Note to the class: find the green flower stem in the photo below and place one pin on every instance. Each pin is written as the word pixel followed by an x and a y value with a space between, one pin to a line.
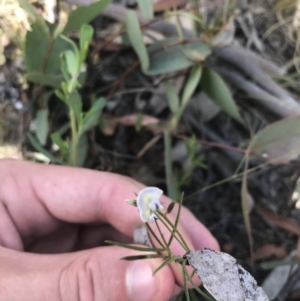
pixel 163 238
pixel 181 239
pixel 155 236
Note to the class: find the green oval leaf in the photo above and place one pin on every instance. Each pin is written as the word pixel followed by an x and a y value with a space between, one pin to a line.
pixel 136 39
pixel 172 55
pixel 279 141
pixel 84 15
pixel 146 8
pixel 214 86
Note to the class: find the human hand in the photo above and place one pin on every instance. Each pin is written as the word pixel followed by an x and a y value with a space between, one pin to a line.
pixel 61 216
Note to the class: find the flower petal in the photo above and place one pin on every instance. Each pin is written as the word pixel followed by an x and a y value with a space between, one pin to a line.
pixel 148 202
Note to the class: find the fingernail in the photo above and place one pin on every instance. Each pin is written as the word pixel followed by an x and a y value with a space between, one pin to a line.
pixel 141 285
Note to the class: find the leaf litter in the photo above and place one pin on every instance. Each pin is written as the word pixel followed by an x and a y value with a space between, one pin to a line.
pixel 223 278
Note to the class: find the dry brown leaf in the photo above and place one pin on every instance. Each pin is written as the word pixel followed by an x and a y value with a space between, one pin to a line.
pixel 131 120
pixel 269 250
pixel 128 120
pixel 279 221
pixel 223 278
pixel 109 126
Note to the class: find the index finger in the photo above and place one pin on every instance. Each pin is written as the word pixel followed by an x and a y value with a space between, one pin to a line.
pixel 37 195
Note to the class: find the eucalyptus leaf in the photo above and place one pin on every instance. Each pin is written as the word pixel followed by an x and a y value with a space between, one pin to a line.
pixel 269 265
pixel 146 7
pixel 214 87
pixel 191 84
pixel 136 39
pixel 279 141
pixel 84 14
pixel 173 55
pixel 172 97
pixel 42 125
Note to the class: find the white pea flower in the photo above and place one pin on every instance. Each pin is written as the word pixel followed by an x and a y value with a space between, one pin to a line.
pixel 148 202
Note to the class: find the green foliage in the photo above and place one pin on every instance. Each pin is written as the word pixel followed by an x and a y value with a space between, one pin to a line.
pixel 146 7
pixel 170 179
pixel 42 125
pixel 194 160
pixel 45 43
pixel 278 142
pixel 83 15
pixel 172 97
pixel 136 39
pixel 54 60
pixel 173 55
pixel 71 65
pixel 214 86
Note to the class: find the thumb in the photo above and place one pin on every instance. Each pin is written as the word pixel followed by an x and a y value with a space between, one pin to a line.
pixel 90 275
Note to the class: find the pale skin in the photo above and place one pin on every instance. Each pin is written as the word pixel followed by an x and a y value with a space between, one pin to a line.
pixel 53 222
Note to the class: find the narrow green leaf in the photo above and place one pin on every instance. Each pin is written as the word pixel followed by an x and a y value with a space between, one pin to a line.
pixel 165 263
pixel 51 80
pixel 72 62
pixel 155 236
pixel 42 125
pixel 172 97
pixel 214 86
pixel 92 116
pixel 146 7
pixel 276 263
pixel 86 35
pixel 84 15
pixel 170 179
pixel 171 207
pixel 29 9
pixel 245 209
pixel 63 147
pixel 136 39
pixel 191 84
pixel 139 257
pixel 144 249
pixel 61 95
pixel 278 142
pixel 173 55
pixel 139 121
pixel 35 143
pixel 82 150
pixel 75 103
pixel 185 286
pixel 177 220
